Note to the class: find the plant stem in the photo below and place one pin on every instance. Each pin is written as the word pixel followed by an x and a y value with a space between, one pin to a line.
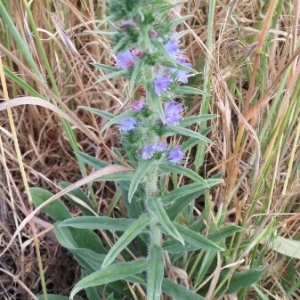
pixel 151 189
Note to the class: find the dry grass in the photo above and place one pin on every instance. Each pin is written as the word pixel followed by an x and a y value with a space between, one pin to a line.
pixel 255 175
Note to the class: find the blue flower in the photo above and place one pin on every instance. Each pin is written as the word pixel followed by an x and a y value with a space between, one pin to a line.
pixel 126 60
pixel 148 151
pixel 161 84
pixel 161 146
pixel 172 47
pixel 175 155
pixel 172 113
pixel 128 124
pixel 181 74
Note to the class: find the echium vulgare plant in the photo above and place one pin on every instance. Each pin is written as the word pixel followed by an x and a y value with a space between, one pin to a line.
pixel 158 249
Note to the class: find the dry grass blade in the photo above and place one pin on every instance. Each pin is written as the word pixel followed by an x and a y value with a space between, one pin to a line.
pixel 40 102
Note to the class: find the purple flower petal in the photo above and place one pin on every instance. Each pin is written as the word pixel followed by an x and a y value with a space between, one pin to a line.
pixel 181 74
pixel 161 146
pixel 125 60
pixel 175 155
pixel 148 151
pixel 138 105
pixel 128 124
pixel 161 84
pixel 172 47
pixel 173 113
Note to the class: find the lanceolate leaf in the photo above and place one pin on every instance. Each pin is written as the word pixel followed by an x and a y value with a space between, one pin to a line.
pixel 74 238
pixel 172 168
pixel 190 90
pixel 56 209
pixel 164 52
pixel 224 232
pixel 126 238
pixel 191 142
pixel 155 102
pixel 196 239
pixel 98 112
pixel 188 132
pixel 109 274
pixel 90 160
pixel 162 217
pixel 189 189
pixel 196 119
pixel 180 20
pixel 109 76
pixel 155 272
pixel 178 292
pixel 106 68
pixel 174 246
pixel 241 280
pixel 118 118
pixel 137 177
pixel 105 223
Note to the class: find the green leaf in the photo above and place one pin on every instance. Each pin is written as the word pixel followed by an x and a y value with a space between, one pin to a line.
pixel 135 229
pixel 21 45
pixel 155 206
pixel 56 209
pixel 21 83
pixel 191 142
pixel 104 67
pixel 110 76
pixel 164 52
pixel 74 238
pixel 224 232
pixel 196 119
pixel 90 160
pixel 78 193
pixel 180 34
pixel 137 177
pixel 155 272
pixel 240 280
pixel 174 246
pixel 117 119
pixel 134 209
pixel 102 113
pixel 178 292
pixel 109 274
pixel 168 6
pixel 88 259
pixel 196 239
pixel 190 90
pixel 155 102
pixel 188 189
pixel 172 168
pixel 180 20
pixel 188 132
pixel 104 223
pixel 177 66
pixel 91 292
